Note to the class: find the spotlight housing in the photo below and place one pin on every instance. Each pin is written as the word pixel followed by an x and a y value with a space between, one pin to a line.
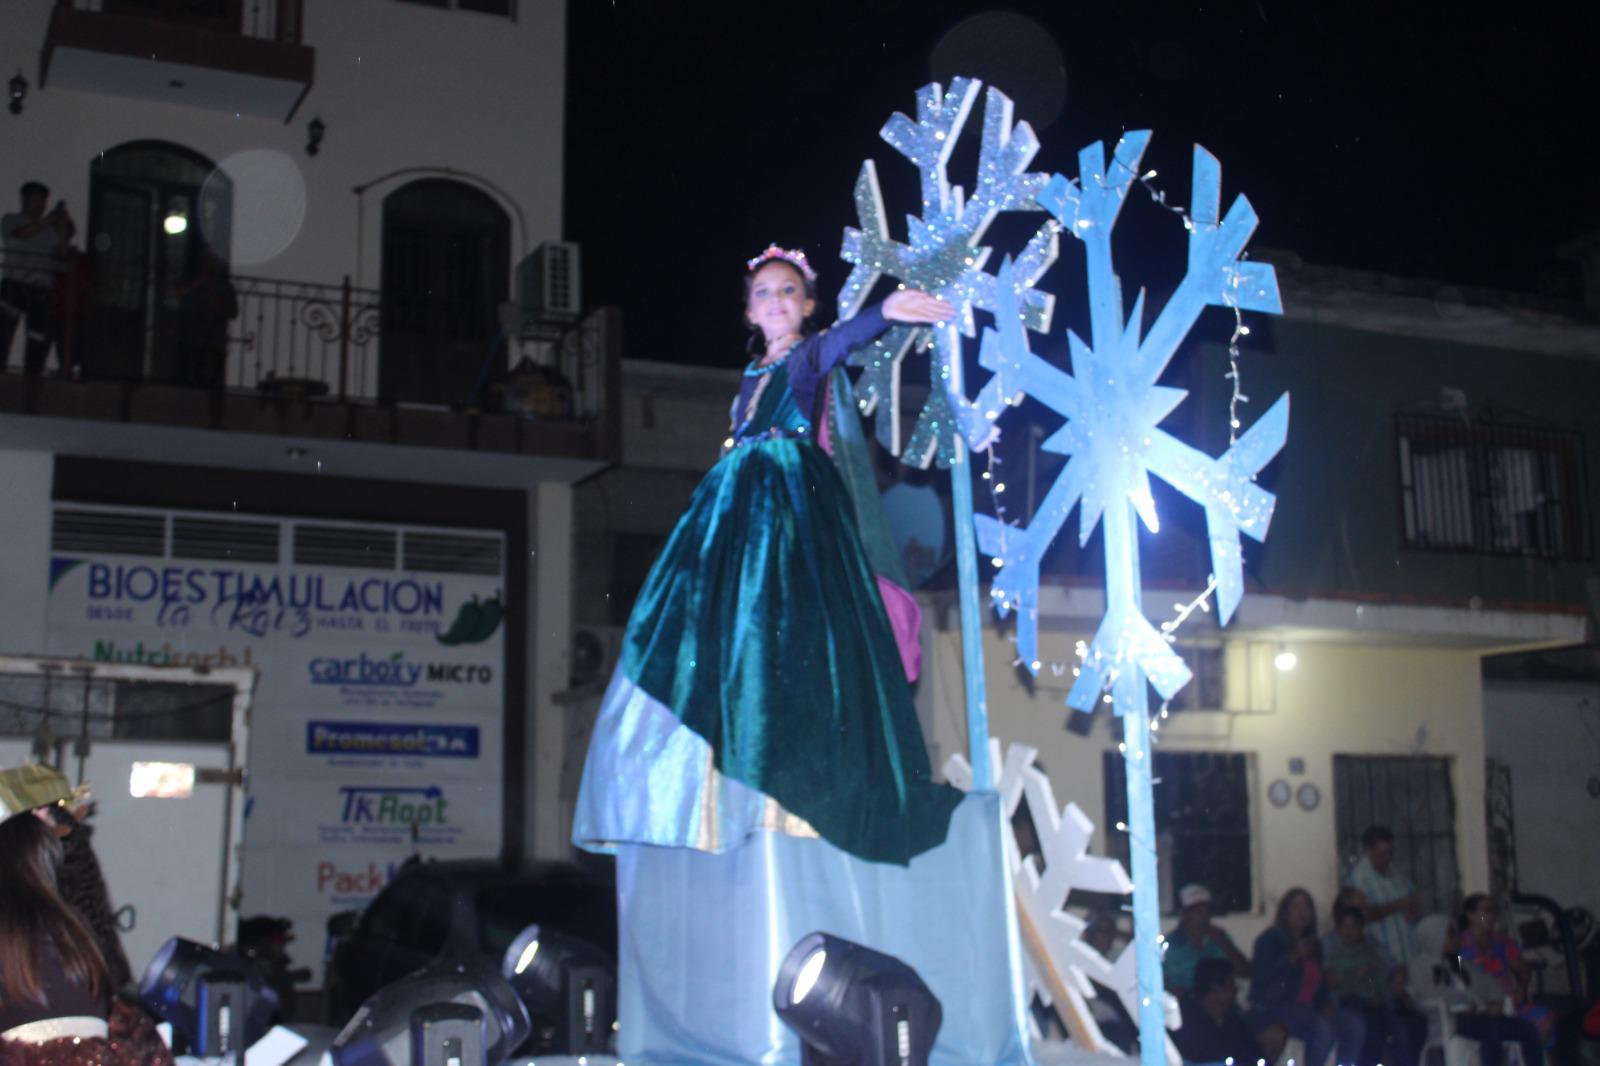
pixel 851 1005
pixel 381 1032
pixel 217 1003
pixel 569 987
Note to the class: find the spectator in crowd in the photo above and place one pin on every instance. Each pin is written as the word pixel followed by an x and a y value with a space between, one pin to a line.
pixel 1391 901
pixel 49 965
pixel 1484 947
pixel 82 887
pixel 1475 1002
pixel 35 242
pixel 1102 932
pixel 1213 1029
pixel 56 1002
pixel 1288 987
pixel 1365 980
pixel 1195 938
pixel 206 305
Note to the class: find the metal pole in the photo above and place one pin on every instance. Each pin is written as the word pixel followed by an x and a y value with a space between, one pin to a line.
pixel 948 340
pixel 1130 694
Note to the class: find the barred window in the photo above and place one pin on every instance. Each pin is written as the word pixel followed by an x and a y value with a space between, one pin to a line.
pixel 1202 809
pixel 1490 489
pixel 1412 797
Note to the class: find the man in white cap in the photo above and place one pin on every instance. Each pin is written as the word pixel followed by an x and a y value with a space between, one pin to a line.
pixel 1196 938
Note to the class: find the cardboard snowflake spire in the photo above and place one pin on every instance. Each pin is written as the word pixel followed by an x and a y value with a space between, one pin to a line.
pixel 942 255
pixel 1112 437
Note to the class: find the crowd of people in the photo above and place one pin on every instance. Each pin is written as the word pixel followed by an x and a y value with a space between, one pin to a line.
pixel 1381 983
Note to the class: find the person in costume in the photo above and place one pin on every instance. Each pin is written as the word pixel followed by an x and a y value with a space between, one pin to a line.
pixel 56 1003
pixel 761 683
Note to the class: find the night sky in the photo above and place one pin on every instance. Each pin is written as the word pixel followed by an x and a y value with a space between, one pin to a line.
pixel 1429 143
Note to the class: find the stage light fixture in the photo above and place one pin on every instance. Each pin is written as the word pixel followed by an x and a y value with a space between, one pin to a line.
pixel 218 1004
pixel 569 987
pixel 409 1018
pixel 316 129
pixel 851 1005
pixel 18 87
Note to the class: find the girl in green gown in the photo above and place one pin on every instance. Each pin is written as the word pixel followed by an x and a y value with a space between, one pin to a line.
pixel 760 684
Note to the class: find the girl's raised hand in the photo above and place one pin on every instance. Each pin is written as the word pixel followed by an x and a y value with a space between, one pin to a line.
pixel 913 305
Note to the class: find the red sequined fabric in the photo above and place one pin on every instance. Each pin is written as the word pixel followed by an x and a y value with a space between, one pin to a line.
pixel 133 1041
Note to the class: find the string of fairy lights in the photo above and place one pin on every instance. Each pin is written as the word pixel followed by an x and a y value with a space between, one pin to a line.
pixel 1201 603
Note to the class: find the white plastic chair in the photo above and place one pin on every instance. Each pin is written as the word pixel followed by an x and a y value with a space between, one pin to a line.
pixel 1463 1050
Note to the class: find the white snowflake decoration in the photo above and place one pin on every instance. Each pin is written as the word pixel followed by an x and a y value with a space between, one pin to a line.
pixel 1064 834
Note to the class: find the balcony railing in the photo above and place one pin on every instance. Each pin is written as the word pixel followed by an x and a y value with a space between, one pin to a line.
pixel 310 343
pixel 265 20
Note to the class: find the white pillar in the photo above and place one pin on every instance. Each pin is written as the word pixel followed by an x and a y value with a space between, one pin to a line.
pixel 547 812
pixel 25 481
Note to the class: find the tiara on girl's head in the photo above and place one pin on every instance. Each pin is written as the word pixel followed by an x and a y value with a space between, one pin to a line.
pixel 796 258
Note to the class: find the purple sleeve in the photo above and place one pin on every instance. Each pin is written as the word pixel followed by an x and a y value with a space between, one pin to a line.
pixel 810 364
pixel 842 338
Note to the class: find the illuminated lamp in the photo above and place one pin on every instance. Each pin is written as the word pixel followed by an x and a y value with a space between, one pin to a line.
pixel 569 987
pixel 850 1004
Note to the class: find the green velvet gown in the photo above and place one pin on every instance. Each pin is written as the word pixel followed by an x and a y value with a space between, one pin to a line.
pixel 760 685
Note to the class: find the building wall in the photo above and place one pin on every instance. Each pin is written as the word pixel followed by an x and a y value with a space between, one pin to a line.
pixel 1549 734
pixel 25 479
pixel 1341 699
pixel 398 85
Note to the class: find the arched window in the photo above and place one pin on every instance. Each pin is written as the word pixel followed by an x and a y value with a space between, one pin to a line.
pixel 446 271
pixel 155 210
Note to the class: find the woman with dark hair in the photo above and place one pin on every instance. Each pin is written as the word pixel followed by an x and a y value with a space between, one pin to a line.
pixel 1288 986
pixel 56 1003
pixel 50 969
pixel 761 684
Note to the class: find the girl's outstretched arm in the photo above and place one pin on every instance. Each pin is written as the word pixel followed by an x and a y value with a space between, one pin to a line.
pixel 907 305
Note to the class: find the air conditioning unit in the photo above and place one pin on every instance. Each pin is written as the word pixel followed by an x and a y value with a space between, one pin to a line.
pixel 595 652
pixel 548 283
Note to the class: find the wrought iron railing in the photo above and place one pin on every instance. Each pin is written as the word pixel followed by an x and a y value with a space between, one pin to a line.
pixel 325 336
pixel 308 339
pixel 269 20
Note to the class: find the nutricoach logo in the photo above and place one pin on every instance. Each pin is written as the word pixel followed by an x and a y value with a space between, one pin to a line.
pixel 394 671
pixel 164 654
pixel 393 806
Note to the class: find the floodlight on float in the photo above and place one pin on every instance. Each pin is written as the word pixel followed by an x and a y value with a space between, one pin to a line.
pixel 401 1021
pixel 218 1004
pixel 850 1004
pixel 569 987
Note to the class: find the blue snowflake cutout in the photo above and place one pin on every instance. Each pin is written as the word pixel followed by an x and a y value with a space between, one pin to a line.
pixel 943 255
pixel 1113 408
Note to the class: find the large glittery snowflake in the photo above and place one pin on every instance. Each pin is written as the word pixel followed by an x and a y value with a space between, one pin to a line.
pixel 1113 408
pixel 943 255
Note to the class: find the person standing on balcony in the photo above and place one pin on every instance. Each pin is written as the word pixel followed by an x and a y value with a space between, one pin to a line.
pixel 207 304
pixel 35 241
